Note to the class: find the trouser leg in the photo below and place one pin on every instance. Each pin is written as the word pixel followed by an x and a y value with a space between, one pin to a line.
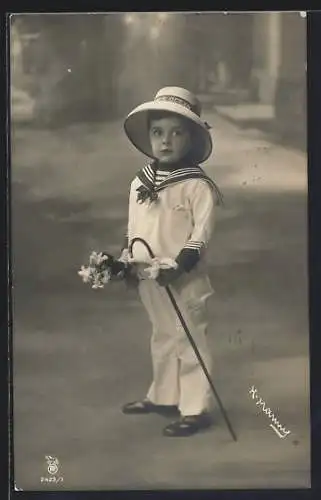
pixel 164 389
pixel 195 390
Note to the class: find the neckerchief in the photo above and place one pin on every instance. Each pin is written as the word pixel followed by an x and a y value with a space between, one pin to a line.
pixel 148 190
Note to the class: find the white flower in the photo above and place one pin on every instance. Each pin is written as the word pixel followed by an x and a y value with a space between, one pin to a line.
pixel 85 273
pixel 101 258
pixel 94 258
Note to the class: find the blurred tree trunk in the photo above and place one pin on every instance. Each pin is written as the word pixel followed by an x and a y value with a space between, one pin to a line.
pixel 111 63
pixel 79 58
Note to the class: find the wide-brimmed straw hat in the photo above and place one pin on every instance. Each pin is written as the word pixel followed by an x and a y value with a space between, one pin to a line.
pixel 175 100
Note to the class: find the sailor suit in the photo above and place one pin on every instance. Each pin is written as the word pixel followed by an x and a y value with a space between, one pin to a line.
pixel 174 212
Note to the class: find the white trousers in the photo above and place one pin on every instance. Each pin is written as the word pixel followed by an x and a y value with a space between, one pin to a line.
pixel 178 378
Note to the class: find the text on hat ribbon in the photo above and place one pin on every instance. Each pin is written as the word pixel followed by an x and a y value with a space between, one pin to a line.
pixel 177 100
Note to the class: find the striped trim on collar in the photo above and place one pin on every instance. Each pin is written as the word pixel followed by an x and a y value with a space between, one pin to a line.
pixel 147 176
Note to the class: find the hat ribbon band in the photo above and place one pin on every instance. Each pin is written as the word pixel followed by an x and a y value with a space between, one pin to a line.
pixel 177 100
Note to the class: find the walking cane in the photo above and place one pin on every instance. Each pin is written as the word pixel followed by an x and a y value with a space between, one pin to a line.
pixel 189 336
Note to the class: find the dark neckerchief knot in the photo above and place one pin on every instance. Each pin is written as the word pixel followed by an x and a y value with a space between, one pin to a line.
pixel 145 194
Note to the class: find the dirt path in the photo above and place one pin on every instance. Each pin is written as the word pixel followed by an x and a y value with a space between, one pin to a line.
pixel 80 354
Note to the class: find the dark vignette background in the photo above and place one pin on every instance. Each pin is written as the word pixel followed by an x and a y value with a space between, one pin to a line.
pixel 314 107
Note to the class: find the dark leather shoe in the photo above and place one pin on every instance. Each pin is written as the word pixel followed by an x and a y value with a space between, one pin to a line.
pixel 188 425
pixel 145 406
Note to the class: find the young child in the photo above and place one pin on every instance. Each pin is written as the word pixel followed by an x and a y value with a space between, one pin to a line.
pixel 172 207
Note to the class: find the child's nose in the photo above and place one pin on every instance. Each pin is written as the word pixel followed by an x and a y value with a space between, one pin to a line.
pixel 166 138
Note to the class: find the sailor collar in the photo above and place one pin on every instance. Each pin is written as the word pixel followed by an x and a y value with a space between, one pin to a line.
pixel 148 173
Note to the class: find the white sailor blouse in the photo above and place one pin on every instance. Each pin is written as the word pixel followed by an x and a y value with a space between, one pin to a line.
pixel 175 216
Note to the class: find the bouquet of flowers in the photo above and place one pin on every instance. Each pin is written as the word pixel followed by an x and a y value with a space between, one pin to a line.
pixel 102 268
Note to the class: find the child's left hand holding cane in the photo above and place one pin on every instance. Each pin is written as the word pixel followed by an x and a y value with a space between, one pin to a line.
pixel 170 271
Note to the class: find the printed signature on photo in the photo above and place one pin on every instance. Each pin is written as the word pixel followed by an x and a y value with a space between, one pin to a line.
pixel 281 431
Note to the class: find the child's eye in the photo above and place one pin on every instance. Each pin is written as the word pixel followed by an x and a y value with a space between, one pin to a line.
pixel 177 132
pixel 157 132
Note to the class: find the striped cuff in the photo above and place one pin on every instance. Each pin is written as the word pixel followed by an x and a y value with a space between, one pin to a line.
pixel 195 245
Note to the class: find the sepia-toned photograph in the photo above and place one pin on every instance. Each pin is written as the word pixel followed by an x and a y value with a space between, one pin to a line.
pixel 159 251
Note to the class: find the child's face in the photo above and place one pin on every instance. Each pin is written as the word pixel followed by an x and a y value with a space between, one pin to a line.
pixel 170 138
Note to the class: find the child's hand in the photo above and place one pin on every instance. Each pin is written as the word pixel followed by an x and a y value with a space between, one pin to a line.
pixel 168 276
